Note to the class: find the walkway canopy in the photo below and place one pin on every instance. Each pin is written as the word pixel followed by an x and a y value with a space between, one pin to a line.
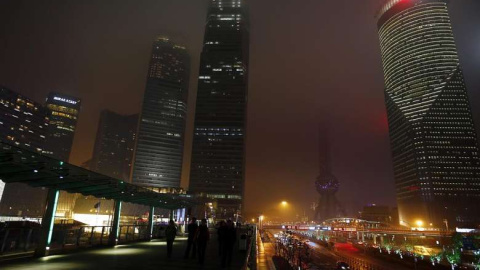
pixel 18 165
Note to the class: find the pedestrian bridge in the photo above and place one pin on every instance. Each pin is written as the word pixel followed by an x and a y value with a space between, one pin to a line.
pixel 141 255
pixel 18 165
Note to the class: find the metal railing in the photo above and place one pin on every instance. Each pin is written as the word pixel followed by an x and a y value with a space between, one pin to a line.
pixel 251 258
pixel 25 240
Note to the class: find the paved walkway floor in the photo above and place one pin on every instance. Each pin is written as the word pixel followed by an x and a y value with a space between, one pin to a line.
pixel 265 252
pixel 143 255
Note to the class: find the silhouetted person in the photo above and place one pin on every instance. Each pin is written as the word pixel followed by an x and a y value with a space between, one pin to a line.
pixel 170 233
pixel 192 231
pixel 222 226
pixel 202 237
pixel 228 242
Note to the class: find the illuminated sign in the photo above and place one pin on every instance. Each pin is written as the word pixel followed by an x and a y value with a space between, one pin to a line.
pixel 66 100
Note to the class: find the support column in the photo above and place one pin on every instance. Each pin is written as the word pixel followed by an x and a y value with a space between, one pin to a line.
pixel 363 236
pixel 113 237
pixel 172 215
pixel 48 221
pixel 358 236
pixel 150 223
pixel 375 239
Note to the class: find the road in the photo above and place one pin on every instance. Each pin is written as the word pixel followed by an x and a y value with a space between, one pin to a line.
pixel 326 259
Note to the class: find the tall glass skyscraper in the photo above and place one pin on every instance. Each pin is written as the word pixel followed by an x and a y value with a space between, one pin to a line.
pixel 218 154
pixel 433 139
pixel 159 149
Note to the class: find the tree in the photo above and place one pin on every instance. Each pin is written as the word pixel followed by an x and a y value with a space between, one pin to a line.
pixel 453 257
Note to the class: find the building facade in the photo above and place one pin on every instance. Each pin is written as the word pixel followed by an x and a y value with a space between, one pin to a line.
pixel 62 112
pixel 23 123
pixel 114 145
pixel 433 139
pixel 159 148
pixel 218 150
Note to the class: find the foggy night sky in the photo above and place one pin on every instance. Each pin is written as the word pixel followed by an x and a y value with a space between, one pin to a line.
pixel 308 58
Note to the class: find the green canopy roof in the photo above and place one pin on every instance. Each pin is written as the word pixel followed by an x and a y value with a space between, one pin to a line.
pixel 19 165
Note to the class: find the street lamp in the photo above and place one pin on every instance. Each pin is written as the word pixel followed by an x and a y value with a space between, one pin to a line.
pixel 260 221
pixel 419 223
pixel 284 203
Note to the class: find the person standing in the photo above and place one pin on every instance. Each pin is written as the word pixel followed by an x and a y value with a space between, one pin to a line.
pixel 191 243
pixel 202 237
pixel 229 239
pixel 170 234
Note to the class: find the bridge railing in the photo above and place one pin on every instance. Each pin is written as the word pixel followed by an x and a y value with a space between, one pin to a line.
pixel 24 241
pixel 251 259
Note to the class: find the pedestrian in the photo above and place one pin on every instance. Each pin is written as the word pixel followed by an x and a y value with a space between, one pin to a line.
pixel 202 237
pixel 170 233
pixel 229 240
pixel 222 226
pixel 191 243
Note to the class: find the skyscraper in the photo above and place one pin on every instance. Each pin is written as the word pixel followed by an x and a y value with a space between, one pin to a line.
pixel 62 112
pixel 218 151
pixel 113 150
pixel 159 149
pixel 23 123
pixel 433 139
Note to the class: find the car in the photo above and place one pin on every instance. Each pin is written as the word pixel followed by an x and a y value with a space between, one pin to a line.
pixel 342 266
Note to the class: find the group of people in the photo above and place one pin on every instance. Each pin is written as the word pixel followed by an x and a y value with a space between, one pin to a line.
pixel 198 237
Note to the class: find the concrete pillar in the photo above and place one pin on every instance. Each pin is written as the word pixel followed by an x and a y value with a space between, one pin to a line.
pixel 381 240
pixel 113 237
pixel 150 223
pixel 374 239
pixel 358 236
pixel 363 236
pixel 48 221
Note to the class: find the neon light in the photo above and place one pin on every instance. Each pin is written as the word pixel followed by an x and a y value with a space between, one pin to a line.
pixel 52 222
pixel 65 100
pixel 117 214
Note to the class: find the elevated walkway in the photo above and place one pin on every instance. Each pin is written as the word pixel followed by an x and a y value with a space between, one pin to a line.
pixel 144 255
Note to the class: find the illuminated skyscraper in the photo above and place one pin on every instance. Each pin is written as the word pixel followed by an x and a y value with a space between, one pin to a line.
pixel 23 123
pixel 218 154
pixel 159 149
pixel 62 112
pixel 113 151
pixel 433 139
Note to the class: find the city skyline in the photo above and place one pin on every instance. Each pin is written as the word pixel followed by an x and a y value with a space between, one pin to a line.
pixel 375 120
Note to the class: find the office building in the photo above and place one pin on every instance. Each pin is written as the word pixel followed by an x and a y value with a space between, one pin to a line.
pixel 62 112
pixel 159 149
pixel 218 150
pixel 114 145
pixel 433 139
pixel 23 123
